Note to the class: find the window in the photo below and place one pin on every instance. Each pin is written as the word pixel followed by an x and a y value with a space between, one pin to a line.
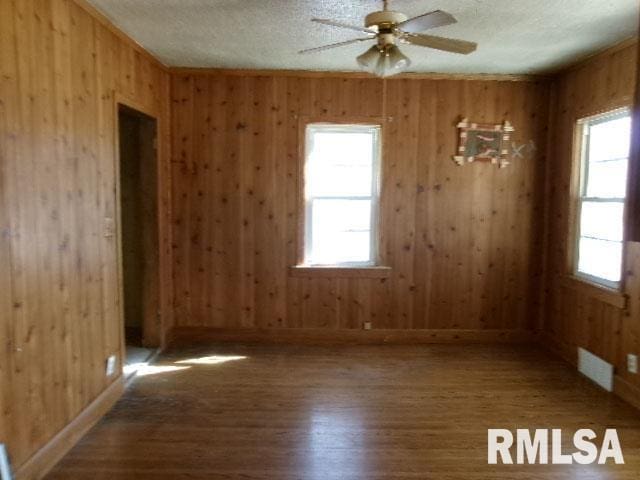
pixel 342 167
pixel 604 156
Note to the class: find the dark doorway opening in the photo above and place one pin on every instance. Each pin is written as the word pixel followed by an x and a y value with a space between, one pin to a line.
pixel 139 233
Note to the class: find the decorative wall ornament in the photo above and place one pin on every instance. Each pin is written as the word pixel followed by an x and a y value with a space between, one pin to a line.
pixel 519 151
pixel 484 142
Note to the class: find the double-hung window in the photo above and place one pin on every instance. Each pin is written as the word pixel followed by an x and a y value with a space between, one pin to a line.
pixel 342 165
pixel 604 155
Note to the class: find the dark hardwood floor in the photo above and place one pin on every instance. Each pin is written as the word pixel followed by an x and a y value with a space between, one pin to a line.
pixel 350 412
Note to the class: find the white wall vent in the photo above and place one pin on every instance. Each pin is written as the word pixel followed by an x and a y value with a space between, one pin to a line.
pixel 596 369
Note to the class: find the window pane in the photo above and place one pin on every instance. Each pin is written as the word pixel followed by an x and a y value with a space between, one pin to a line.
pixel 344 247
pixel 340 164
pixel 600 258
pixel 609 140
pixel 341 215
pixel 338 180
pixel 355 147
pixel 340 231
pixel 607 179
pixel 602 220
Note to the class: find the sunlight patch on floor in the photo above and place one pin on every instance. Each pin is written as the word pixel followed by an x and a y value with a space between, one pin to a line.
pixel 212 360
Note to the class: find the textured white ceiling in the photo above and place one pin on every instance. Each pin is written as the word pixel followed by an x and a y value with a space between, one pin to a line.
pixel 514 36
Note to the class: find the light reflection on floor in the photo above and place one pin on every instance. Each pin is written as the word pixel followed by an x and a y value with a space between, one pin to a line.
pixel 336 444
pixel 212 360
pixel 143 368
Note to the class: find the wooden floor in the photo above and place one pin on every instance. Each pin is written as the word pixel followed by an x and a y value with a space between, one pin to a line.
pixel 351 412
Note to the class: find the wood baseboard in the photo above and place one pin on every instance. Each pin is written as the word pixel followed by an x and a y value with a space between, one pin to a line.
pixel 45 459
pixel 627 391
pixel 560 350
pixel 199 335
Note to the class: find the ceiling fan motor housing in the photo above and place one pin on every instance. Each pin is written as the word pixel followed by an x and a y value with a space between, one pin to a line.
pixel 384 20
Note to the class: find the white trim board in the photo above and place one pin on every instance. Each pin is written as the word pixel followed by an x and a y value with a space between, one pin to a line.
pixel 5 466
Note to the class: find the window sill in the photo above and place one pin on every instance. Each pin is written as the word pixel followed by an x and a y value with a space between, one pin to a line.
pixel 330 271
pixel 603 293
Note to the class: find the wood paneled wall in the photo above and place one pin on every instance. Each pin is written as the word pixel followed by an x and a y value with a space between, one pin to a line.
pixel 575 315
pixel 463 242
pixel 59 304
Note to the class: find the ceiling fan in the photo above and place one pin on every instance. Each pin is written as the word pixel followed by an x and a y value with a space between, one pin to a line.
pixel 388 27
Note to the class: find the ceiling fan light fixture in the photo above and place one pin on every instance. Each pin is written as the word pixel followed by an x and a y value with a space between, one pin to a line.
pixel 382 68
pixel 383 61
pixel 368 61
pixel 398 61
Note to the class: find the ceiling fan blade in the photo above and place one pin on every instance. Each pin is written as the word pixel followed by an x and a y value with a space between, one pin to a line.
pixel 334 23
pixel 334 45
pixel 442 43
pixel 427 21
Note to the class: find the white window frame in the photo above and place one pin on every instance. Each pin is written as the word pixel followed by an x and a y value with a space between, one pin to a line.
pixel 583 125
pixel 374 128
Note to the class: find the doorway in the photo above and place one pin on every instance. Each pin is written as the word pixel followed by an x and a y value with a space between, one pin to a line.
pixel 138 234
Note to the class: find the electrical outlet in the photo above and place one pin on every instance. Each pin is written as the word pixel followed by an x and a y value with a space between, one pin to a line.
pixel 632 363
pixel 5 466
pixel 109 227
pixel 111 365
pixel 367 325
